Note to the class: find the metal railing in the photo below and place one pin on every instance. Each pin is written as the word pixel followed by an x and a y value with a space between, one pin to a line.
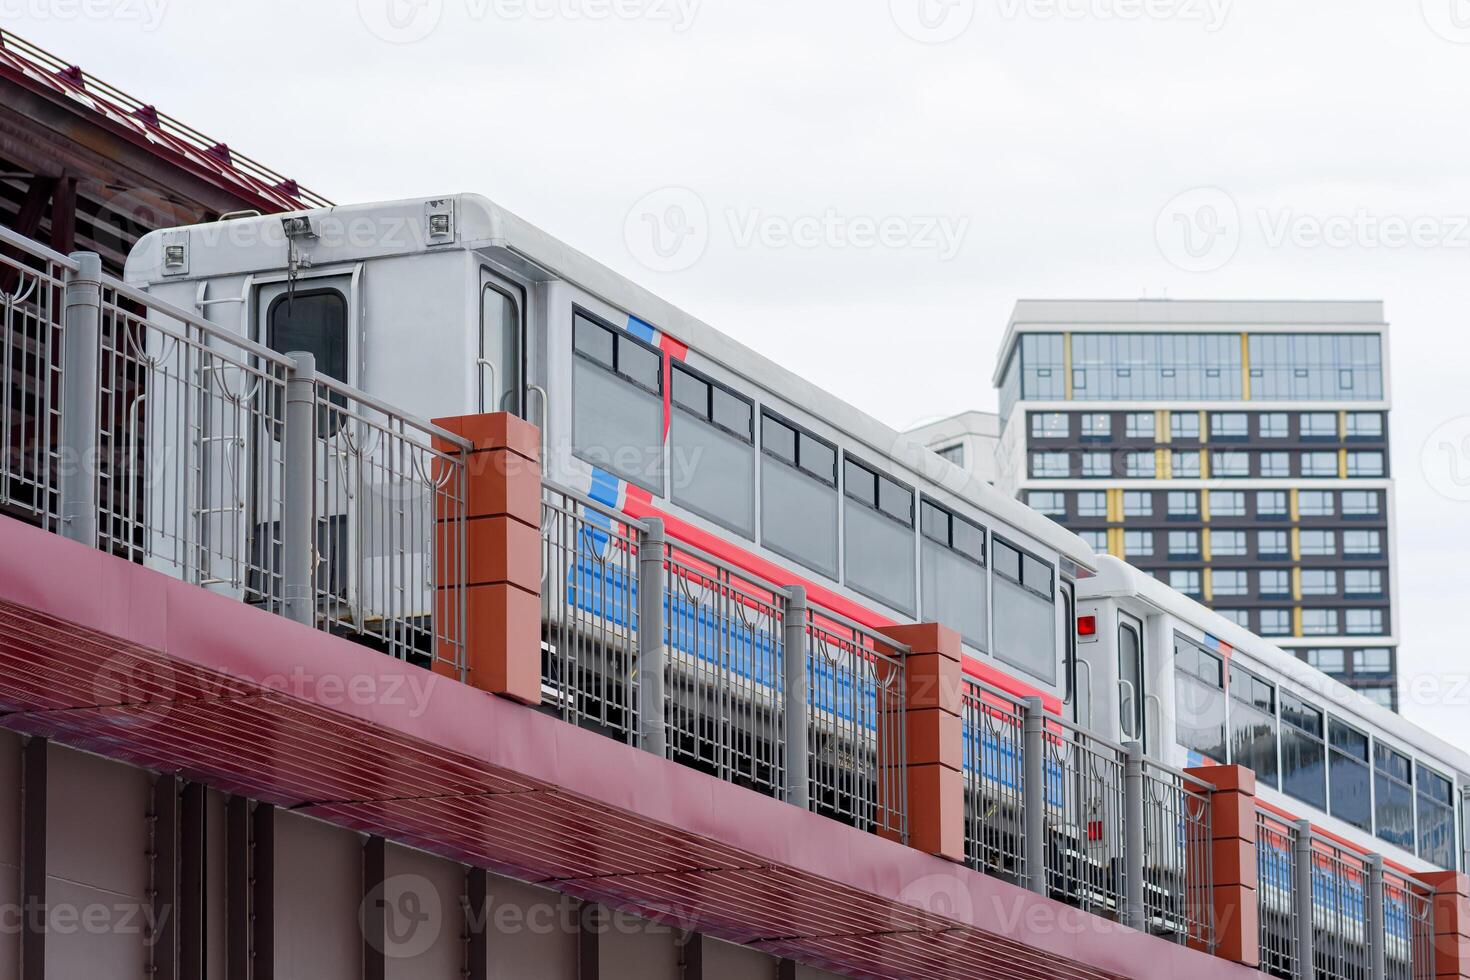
pixel 1178 868
pixel 144 430
pixel 630 619
pixel 1085 818
pixel 993 727
pixel 1327 912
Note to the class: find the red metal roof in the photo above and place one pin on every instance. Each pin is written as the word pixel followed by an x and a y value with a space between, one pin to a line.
pixel 173 141
pixel 115 659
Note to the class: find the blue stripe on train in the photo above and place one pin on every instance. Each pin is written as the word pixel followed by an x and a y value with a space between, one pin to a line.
pixel 609 591
pixel 1333 895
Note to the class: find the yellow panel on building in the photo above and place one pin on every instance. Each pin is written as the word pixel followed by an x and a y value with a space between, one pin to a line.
pixel 1245 366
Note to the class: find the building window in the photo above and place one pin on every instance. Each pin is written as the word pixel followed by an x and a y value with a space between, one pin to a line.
pixel 1275 465
pixel 1317 544
pixel 1140 425
pixel 952 569
pixel 1229 425
pixel 1092 503
pixel 1138 544
pixel 1239 617
pixel 1271 503
pixel 1050 465
pixel 1393 796
pixel 1199 700
pixel 1275 582
pixel 1319 622
pixel 1185 581
pixel 1227 503
pixel 1096 540
pixel 1147 366
pixel 1316 367
pixel 1138 503
pixel 1382 696
pixel 1183 544
pixel 1274 425
pixel 1328 661
pixel 1049 425
pixel 1229 582
pixel 1362 582
pixel 1319 581
pixel 1351 795
pixel 1042 367
pixel 1319 425
pixel 1275 622
pixel 1365 464
pixel 1183 503
pixel 954 454
pixel 1227 544
pixel 1253 724
pixel 1097 465
pixel 1365 425
pixel 1303 751
pixel 799 495
pixel 1361 622
pixel 1139 465
pixel 1319 464
pixel 1025 611
pixel 1096 425
pixel 1229 464
pixel 1272 544
pixel 1186 465
pixel 1360 503
pixel 1364 544
pixel 1052 503
pixel 1315 503
pixel 1436 798
pixel 1373 661
pixel 1184 425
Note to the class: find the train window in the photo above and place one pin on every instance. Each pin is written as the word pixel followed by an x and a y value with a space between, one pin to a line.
pixel 952 572
pixel 314 322
pixel 1253 724
pixel 799 495
pixel 1350 793
pixel 1436 802
pixel 712 452
pixel 879 536
pixel 1393 796
pixel 1303 752
pixel 1025 611
pixel 617 403
pixel 1130 682
pixel 1199 696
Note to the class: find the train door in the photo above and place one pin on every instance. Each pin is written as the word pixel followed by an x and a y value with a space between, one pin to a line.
pixel 502 345
pixel 1069 652
pixel 1132 715
pixel 314 315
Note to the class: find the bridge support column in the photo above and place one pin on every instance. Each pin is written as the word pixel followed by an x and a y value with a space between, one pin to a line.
pixel 1450 920
pixel 493 561
pixel 930 747
pixel 1233 862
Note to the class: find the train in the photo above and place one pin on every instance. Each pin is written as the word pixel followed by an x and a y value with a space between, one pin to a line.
pixel 449 306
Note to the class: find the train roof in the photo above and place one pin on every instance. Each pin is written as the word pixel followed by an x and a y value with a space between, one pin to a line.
pixel 1116 578
pixel 363 231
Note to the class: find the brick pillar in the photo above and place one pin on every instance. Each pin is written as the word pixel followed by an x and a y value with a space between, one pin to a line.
pixel 933 751
pixel 502 557
pixel 1233 856
pixel 1451 922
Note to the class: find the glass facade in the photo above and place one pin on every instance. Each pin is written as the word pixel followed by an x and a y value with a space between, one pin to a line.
pixel 1156 366
pixel 1316 367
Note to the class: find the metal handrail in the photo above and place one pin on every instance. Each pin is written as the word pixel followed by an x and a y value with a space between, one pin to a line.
pixel 368 401
pixel 40 251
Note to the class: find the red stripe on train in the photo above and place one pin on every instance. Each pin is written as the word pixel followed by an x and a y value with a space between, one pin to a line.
pixel 639 503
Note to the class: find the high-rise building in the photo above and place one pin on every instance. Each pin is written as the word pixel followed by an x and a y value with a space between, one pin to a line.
pixel 1237 450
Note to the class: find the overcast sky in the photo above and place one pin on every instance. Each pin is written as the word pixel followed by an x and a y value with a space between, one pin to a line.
pixel 863 188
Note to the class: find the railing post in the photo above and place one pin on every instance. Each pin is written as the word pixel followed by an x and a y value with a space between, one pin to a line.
pixel 1375 926
pixel 81 348
pixel 1301 898
pixel 796 700
pixel 653 654
pixel 298 492
pixel 1033 792
pixel 1133 911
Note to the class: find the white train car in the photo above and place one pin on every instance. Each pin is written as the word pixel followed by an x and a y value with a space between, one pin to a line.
pixel 452 306
pixel 1196 690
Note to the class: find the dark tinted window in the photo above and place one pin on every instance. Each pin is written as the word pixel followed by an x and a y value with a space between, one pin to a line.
pixel 1200 699
pixel 314 322
pixel 1303 752
pixel 1351 797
